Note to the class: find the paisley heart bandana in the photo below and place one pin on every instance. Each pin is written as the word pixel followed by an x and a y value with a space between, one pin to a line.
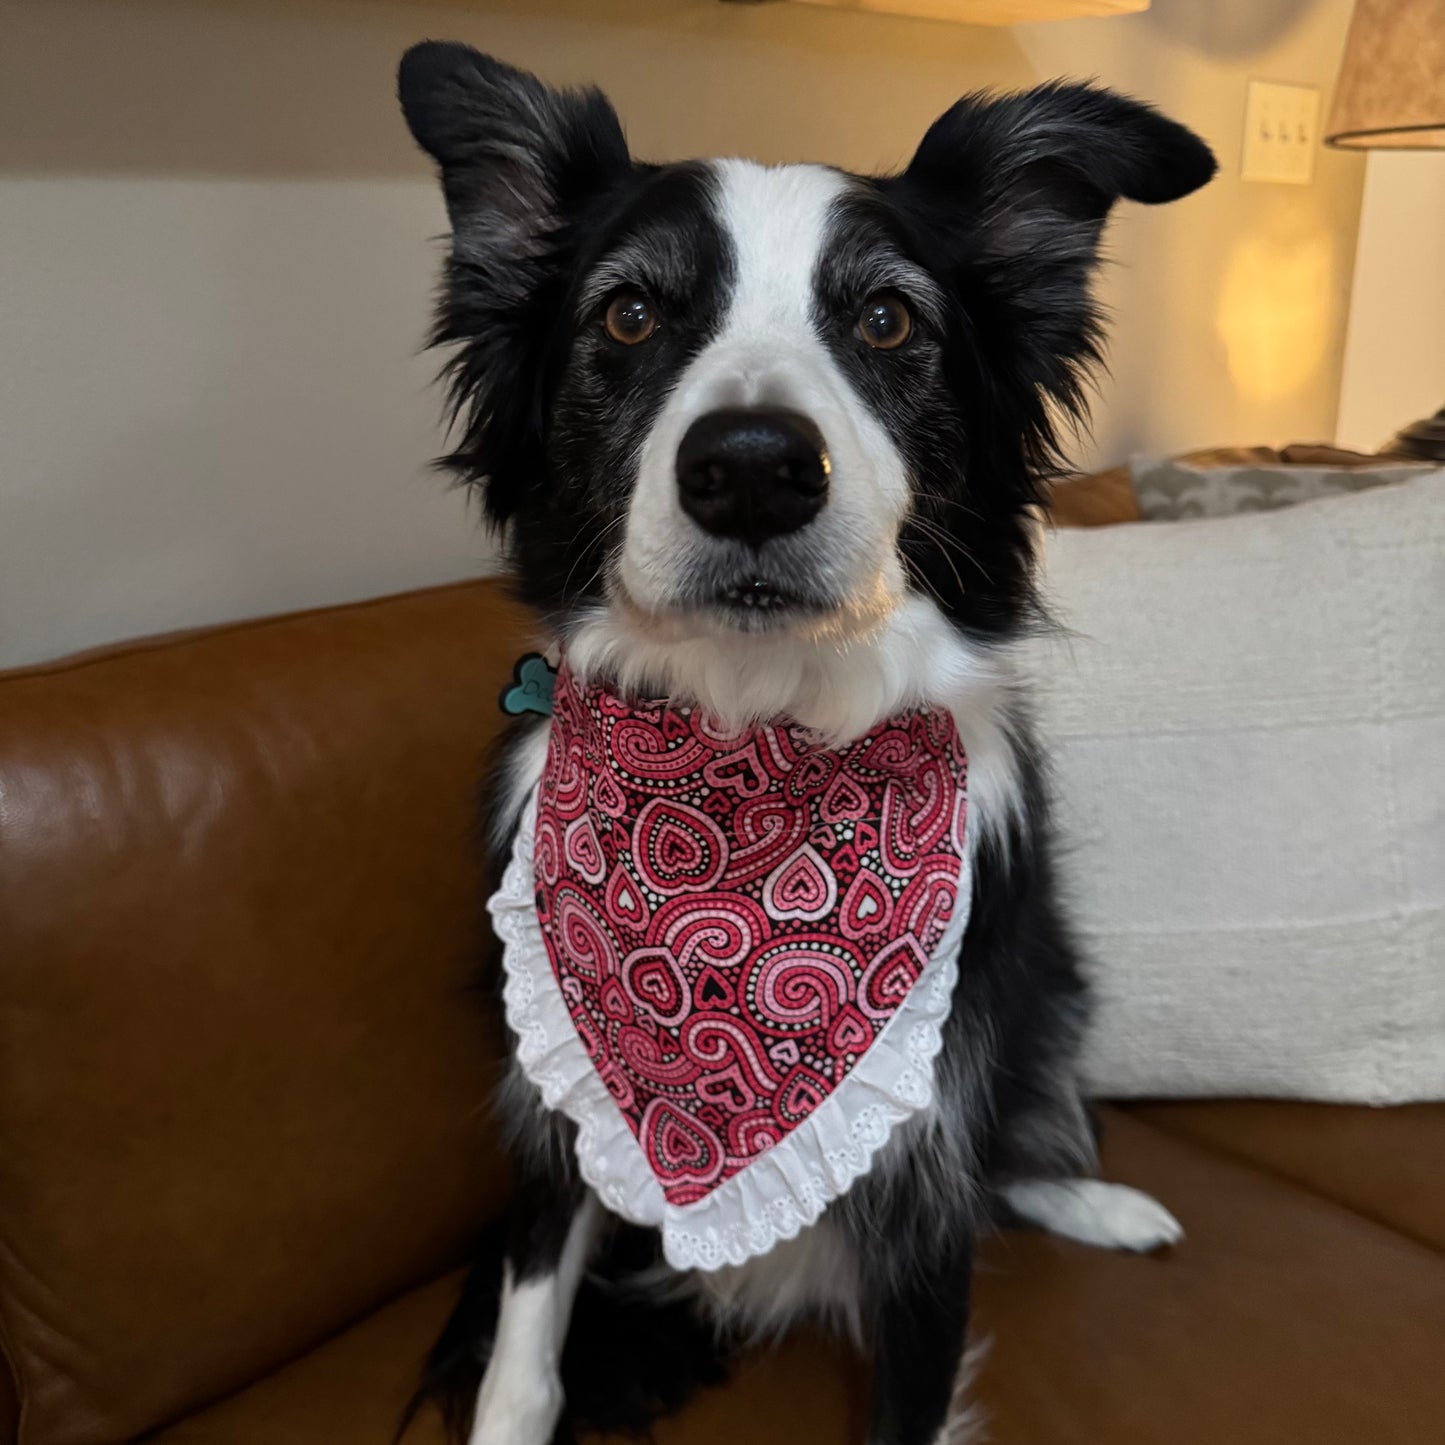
pixel 737 931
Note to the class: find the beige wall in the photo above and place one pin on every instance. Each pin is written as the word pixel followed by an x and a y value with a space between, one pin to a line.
pixel 216 263
pixel 1232 306
pixel 1394 364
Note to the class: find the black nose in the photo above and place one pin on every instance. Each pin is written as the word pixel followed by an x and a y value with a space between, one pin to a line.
pixel 752 474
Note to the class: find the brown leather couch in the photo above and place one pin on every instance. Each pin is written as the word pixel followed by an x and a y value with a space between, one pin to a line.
pixel 242 1148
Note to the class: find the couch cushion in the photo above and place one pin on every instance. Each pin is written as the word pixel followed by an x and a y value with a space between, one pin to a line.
pixel 351 1392
pixel 1101 499
pixel 1245 720
pixel 241 1072
pixel 1282 1318
pixel 1386 1164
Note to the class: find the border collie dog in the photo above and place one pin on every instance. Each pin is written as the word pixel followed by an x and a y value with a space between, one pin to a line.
pixel 769 443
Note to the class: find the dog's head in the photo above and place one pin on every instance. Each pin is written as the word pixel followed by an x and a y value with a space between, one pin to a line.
pixel 718 400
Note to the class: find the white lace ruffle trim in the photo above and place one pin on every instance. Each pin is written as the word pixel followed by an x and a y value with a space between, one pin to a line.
pixel 783 1190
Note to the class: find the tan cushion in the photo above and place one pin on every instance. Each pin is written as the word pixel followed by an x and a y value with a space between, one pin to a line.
pixel 1282 1318
pixel 1386 1164
pixel 241 1070
pixel 351 1392
pixel 1100 500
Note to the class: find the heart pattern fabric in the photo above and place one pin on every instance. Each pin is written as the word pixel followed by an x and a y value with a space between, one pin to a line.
pixel 732 920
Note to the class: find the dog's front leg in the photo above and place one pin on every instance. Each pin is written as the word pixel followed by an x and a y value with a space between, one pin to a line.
pixel 551 1236
pixel 921 1322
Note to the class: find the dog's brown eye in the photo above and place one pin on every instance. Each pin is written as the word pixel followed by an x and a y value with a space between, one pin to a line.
pixel 630 318
pixel 885 322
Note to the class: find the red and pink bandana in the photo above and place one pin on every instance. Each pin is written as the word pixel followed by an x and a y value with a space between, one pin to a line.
pixel 734 920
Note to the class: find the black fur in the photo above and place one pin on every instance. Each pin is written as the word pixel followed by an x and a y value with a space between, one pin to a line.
pixel 630 1358
pixel 541 192
pixel 998 217
pixel 1002 206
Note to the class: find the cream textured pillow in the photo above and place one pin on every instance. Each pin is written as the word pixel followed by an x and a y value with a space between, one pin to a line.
pixel 1248 731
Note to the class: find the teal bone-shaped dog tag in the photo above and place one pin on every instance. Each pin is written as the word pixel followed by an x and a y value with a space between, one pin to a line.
pixel 533 679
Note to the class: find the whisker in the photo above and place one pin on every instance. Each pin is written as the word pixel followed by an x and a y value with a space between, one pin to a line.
pixel 962 506
pixel 602 536
pixel 950 543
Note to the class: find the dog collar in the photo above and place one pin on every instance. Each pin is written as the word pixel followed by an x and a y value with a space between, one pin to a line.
pixel 728 955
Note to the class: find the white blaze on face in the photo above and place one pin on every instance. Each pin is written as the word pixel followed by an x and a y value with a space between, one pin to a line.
pixel 884 648
pixel 768 353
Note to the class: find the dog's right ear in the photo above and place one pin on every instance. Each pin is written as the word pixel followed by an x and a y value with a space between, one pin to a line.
pixel 515 155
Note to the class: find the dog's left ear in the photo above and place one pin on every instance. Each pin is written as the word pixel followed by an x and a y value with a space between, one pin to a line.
pixel 516 155
pixel 520 164
pixel 1053 159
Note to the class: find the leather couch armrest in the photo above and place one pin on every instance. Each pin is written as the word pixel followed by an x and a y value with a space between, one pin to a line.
pixel 243 1061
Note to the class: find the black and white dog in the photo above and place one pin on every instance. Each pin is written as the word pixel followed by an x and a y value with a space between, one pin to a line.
pixel 772 441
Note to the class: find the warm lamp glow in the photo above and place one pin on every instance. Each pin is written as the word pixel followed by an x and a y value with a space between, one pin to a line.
pixel 1391 90
pixel 1274 314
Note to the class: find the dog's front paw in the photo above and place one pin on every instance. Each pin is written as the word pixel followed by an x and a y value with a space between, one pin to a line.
pixel 512 1410
pixel 1092 1211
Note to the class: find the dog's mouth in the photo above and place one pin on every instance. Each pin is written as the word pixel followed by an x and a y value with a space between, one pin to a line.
pixel 753 601
pixel 795 585
pixel 762 596
pixel 745 601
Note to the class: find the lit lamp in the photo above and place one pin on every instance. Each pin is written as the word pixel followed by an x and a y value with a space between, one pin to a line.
pixel 1391 96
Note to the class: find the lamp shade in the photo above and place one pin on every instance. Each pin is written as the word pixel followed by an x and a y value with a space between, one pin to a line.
pixel 1391 90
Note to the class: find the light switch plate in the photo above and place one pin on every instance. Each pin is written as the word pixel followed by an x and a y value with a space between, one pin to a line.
pixel 1281 132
